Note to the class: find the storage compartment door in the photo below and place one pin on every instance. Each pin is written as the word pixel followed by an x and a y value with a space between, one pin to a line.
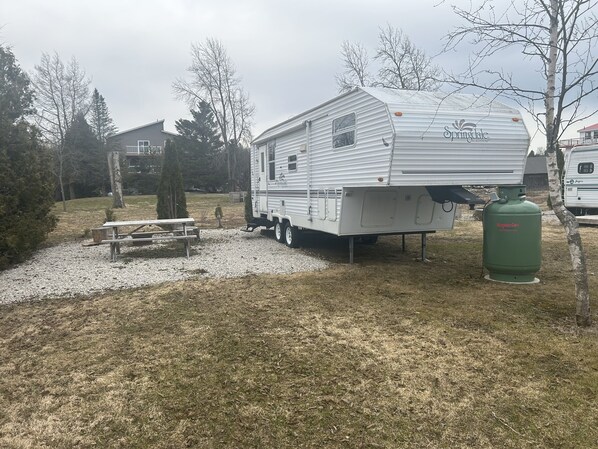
pixel 425 210
pixel 331 209
pixel 378 208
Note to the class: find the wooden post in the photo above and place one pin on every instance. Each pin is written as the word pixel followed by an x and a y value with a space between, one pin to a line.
pixel 351 247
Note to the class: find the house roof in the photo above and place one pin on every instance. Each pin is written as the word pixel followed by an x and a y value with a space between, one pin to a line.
pixel 535 165
pixel 160 122
pixel 589 128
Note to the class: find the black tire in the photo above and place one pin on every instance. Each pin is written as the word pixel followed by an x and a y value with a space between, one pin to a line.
pixel 279 232
pixel 291 236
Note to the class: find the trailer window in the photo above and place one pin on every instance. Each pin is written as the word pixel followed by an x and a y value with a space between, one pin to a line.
pixel 293 162
pixel 585 168
pixel 262 162
pixel 271 161
pixel 343 131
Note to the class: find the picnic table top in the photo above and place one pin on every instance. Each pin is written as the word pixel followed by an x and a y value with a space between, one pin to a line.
pixel 169 221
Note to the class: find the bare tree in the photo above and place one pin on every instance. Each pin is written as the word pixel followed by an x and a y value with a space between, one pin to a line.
pixel 404 66
pixel 356 62
pixel 61 94
pixel 561 38
pixel 214 81
pixel 401 64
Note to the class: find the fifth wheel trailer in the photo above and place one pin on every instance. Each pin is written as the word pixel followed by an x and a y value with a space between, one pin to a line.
pixel 377 161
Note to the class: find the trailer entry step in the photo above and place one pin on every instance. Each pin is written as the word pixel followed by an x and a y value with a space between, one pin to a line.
pixel 250 227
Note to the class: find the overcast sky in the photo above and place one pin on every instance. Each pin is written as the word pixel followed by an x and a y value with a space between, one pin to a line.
pixel 287 52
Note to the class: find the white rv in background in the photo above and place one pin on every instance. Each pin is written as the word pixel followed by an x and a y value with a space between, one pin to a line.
pixel 377 161
pixel 581 180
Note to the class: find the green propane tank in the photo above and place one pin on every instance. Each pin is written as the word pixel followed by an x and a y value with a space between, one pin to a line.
pixel 512 237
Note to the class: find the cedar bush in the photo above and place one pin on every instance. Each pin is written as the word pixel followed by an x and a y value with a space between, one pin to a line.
pixel 172 202
pixel 26 181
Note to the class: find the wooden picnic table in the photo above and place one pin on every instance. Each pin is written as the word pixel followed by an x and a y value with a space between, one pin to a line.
pixel 183 230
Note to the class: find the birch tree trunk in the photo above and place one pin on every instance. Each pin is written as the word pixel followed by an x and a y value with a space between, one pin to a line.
pixel 118 201
pixel 570 225
pixel 560 38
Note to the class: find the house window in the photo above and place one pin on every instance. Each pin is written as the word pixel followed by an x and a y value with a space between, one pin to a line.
pixel 271 160
pixel 293 162
pixel 143 146
pixel 343 131
pixel 134 162
pixel 262 162
pixel 585 168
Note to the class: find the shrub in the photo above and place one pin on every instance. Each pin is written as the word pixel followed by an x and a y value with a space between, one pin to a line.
pixel 26 180
pixel 172 202
pixel 26 195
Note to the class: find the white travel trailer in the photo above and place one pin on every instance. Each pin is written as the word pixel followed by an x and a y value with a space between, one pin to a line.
pixel 581 180
pixel 379 161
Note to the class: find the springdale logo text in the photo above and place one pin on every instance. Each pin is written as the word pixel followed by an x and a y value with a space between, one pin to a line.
pixel 463 130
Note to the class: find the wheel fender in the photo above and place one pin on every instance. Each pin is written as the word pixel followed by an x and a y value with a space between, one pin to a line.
pixel 283 219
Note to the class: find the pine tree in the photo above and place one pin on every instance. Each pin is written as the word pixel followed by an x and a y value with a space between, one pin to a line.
pixel 103 127
pixel 86 168
pixel 200 147
pixel 26 180
pixel 99 118
pixel 171 196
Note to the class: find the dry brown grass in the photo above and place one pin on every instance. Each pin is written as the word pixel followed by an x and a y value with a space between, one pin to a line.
pixel 86 213
pixel 386 353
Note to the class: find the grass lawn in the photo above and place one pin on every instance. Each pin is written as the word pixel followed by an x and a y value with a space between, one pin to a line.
pixel 385 353
pixel 86 213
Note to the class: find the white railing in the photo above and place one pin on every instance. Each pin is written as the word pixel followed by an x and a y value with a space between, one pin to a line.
pixel 568 143
pixel 133 150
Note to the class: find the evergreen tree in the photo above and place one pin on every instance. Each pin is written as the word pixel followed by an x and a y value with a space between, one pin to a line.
pixel 103 127
pixel 171 196
pixel 26 180
pixel 86 167
pixel 200 146
pixel 100 120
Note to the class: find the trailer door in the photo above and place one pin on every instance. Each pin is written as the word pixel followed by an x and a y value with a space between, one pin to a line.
pixel 263 180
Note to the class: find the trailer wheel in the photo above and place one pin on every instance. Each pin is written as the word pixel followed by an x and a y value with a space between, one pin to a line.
pixel 279 232
pixel 291 236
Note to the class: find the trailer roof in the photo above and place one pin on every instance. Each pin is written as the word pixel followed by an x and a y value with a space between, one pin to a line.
pixel 437 100
pixel 411 99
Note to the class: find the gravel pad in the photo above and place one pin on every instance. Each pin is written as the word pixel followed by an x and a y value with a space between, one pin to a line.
pixel 72 269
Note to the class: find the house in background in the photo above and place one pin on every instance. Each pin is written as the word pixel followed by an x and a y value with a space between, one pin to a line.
pixel 140 144
pixel 587 136
pixel 535 176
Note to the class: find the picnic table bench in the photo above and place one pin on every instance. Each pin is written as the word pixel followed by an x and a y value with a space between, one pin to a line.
pixel 182 229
